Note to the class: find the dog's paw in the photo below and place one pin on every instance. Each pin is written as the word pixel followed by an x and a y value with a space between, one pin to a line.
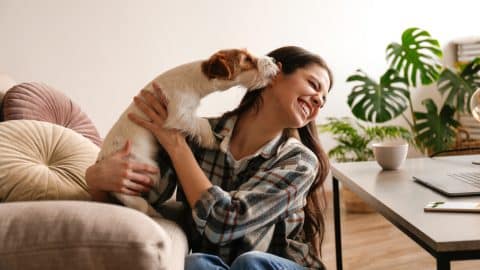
pixel 206 139
pixel 208 142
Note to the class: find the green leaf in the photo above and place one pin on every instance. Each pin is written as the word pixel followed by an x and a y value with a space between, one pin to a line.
pixel 436 130
pixel 378 102
pixel 339 126
pixel 460 87
pixel 353 138
pixel 385 132
pixel 418 56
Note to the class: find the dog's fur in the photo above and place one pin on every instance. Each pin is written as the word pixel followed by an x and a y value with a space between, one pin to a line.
pixel 183 87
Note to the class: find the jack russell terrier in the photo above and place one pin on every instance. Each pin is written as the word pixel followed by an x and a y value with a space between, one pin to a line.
pixel 183 87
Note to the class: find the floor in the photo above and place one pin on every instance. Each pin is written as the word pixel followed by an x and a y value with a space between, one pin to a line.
pixel 371 242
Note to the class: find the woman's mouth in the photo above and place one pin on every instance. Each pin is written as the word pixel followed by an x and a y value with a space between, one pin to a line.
pixel 304 108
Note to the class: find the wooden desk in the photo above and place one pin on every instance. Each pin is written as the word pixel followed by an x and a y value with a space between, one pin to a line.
pixel 394 194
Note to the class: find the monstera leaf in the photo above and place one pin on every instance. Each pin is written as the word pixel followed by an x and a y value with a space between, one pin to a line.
pixel 378 102
pixel 436 130
pixel 417 56
pixel 460 87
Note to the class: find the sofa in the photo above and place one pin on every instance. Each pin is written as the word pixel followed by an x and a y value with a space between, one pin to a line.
pixel 47 218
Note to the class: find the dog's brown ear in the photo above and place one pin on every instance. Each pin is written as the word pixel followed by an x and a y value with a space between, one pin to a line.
pixel 217 67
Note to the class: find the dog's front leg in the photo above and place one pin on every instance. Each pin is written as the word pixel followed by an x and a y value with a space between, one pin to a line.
pixel 204 134
pixel 197 128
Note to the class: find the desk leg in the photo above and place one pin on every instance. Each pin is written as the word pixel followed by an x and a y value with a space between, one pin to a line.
pixel 443 263
pixel 336 217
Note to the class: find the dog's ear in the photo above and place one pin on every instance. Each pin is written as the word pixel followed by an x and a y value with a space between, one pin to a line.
pixel 217 68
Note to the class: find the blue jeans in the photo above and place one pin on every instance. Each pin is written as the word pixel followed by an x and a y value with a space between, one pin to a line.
pixel 251 260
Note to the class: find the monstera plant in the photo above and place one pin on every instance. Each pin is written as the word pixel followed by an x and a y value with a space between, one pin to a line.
pixel 413 63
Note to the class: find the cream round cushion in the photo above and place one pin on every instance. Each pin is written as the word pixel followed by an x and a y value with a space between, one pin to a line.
pixel 43 161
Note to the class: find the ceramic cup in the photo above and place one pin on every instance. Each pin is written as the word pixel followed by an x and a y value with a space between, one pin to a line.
pixel 390 155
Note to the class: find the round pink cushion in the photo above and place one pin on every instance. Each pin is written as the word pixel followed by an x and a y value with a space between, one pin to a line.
pixel 37 101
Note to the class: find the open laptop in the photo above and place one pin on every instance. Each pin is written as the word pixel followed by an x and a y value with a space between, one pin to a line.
pixel 454 184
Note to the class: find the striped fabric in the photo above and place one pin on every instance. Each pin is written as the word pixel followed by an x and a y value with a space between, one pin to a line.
pixel 255 203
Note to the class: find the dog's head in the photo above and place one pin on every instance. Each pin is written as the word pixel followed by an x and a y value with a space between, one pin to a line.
pixel 240 67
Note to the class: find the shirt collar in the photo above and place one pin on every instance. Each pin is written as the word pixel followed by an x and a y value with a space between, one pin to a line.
pixel 225 134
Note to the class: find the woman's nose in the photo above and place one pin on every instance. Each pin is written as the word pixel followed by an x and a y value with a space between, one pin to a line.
pixel 317 101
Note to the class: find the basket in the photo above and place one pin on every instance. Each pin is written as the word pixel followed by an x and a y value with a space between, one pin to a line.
pixel 464 145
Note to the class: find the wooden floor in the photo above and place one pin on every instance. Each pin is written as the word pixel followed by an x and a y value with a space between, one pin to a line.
pixel 371 242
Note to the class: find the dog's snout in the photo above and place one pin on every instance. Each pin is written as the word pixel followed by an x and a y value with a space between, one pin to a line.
pixel 267 66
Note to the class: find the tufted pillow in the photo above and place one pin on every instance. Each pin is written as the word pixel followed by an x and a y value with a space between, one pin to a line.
pixel 38 101
pixel 43 161
pixel 6 82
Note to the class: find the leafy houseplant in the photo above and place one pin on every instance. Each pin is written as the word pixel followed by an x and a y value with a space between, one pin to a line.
pixel 412 63
pixel 353 138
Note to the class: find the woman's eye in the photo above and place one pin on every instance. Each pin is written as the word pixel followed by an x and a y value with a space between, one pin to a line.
pixel 313 85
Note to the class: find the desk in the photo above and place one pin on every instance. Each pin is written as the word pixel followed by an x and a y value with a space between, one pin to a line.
pixel 446 236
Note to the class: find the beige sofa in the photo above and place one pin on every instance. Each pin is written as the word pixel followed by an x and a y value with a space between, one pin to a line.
pixel 47 220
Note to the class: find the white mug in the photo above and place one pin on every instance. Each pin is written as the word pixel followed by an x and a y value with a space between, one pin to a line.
pixel 390 155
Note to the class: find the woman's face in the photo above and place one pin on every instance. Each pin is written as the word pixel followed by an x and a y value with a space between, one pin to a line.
pixel 300 95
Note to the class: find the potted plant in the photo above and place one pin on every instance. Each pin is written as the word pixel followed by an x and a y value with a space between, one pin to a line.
pixel 353 140
pixel 413 63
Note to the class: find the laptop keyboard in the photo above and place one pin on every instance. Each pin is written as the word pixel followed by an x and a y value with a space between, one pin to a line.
pixel 472 178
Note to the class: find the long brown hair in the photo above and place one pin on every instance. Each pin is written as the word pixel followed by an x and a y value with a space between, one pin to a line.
pixel 293 58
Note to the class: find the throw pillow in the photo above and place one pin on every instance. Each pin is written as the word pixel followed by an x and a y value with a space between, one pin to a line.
pixel 37 101
pixel 43 161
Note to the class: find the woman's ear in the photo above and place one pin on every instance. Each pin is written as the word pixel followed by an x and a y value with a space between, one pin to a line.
pixel 279 64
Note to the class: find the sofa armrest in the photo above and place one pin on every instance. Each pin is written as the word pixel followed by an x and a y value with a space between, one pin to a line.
pixel 84 235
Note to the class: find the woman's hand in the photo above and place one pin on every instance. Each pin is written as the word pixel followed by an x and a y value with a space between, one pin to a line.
pixel 117 173
pixel 155 109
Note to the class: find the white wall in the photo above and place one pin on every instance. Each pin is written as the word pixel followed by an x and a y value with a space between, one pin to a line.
pixel 100 53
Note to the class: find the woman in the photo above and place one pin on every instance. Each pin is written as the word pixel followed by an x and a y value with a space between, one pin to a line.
pixel 255 200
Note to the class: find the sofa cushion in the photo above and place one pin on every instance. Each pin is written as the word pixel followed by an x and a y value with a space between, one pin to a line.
pixel 37 101
pixel 41 161
pixel 6 82
pixel 81 235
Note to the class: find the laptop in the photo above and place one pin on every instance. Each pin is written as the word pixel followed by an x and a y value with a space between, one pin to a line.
pixel 455 184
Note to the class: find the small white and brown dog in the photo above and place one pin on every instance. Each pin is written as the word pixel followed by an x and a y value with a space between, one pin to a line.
pixel 183 87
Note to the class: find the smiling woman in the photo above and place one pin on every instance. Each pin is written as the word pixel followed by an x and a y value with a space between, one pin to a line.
pixel 299 96
pixel 268 160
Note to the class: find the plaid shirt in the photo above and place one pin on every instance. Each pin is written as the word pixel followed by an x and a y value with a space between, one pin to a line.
pixel 255 203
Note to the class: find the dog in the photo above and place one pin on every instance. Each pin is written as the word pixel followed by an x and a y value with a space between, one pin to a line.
pixel 184 86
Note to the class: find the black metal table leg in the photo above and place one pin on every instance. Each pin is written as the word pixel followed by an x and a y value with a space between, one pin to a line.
pixel 336 217
pixel 443 263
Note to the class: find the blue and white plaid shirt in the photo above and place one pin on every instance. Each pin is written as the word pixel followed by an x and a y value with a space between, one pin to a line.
pixel 255 203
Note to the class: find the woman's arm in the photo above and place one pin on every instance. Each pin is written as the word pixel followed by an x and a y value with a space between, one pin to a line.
pixel 117 173
pixel 190 175
pixel 269 196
